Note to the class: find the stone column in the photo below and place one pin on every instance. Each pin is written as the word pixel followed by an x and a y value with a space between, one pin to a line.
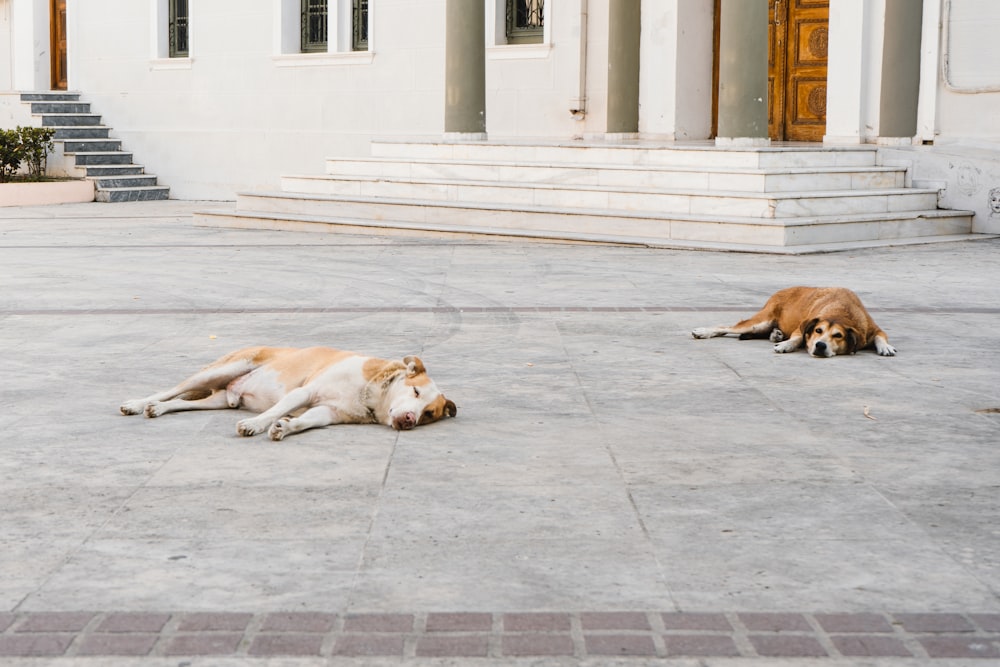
pixel 743 73
pixel 900 71
pixel 623 67
pixel 465 70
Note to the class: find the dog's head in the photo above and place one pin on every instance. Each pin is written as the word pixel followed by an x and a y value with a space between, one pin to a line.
pixel 418 401
pixel 828 338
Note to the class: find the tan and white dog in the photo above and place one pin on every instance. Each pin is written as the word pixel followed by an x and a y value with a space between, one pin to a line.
pixel 827 320
pixel 297 389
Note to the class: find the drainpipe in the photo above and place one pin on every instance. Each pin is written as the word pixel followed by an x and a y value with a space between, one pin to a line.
pixel 578 105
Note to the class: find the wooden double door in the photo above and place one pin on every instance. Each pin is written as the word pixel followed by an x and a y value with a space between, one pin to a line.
pixel 798 33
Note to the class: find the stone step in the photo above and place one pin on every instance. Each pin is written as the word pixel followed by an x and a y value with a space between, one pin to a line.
pixel 697 202
pixel 81 132
pixel 112 170
pixel 794 236
pixel 141 193
pixel 752 180
pixel 111 157
pixel 123 181
pixel 70 120
pixel 76 146
pixel 50 96
pixel 642 153
pixel 60 107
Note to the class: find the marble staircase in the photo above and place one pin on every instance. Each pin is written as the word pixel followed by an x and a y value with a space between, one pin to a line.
pixel 784 198
pixel 88 151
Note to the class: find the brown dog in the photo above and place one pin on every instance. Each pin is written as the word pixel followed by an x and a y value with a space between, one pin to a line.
pixel 828 320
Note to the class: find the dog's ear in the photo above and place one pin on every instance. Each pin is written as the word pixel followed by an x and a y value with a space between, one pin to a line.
pixel 413 366
pixel 852 339
pixel 450 408
pixel 807 327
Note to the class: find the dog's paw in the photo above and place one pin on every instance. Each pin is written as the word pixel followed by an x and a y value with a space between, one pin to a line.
pixel 885 349
pixel 133 407
pixel 154 409
pixel 279 429
pixel 776 335
pixel 248 427
pixel 702 332
pixel 786 346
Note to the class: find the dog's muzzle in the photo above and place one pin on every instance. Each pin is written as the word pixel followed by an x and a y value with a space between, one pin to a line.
pixel 404 422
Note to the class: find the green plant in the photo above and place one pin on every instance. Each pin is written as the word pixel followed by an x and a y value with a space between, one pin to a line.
pixel 11 153
pixel 36 143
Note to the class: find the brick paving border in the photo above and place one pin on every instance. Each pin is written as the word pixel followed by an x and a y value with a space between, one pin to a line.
pixel 644 634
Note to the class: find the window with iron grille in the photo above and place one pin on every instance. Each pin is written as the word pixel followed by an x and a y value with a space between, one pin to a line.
pixel 314 26
pixel 359 22
pixel 178 29
pixel 525 21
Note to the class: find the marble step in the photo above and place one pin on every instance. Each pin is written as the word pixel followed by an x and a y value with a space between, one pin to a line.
pixel 801 235
pixel 81 132
pixel 91 145
pixel 698 202
pixel 140 193
pixel 60 107
pixel 50 96
pixel 70 119
pixel 788 179
pixel 644 153
pixel 102 158
pixel 120 180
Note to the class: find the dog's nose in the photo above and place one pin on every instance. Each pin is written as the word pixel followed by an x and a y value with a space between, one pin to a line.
pixel 820 346
pixel 405 421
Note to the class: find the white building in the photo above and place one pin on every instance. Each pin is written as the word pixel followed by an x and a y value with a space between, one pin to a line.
pixel 223 96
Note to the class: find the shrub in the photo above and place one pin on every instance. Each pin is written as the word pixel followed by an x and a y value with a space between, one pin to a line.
pixel 30 145
pixel 37 142
pixel 11 153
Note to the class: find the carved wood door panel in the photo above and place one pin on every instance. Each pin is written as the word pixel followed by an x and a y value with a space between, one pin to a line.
pixel 57 35
pixel 797 66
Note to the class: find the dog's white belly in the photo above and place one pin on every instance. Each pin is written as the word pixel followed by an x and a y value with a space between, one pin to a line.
pixel 258 390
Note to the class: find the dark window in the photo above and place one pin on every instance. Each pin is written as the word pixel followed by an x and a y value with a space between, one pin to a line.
pixel 314 26
pixel 359 20
pixel 178 28
pixel 525 21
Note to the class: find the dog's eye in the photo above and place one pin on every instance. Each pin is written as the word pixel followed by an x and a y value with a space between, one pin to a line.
pixel 838 335
pixel 416 392
pixel 818 330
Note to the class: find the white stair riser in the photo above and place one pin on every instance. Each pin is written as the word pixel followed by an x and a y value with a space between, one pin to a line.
pixel 621 177
pixel 761 206
pixel 630 155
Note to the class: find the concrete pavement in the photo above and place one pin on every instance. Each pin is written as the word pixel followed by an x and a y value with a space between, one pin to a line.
pixel 611 489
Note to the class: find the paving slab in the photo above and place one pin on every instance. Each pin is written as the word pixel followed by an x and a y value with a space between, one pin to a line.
pixel 612 491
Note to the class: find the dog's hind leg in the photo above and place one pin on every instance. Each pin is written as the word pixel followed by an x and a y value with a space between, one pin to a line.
pixel 198 385
pixel 215 401
pixel 758 326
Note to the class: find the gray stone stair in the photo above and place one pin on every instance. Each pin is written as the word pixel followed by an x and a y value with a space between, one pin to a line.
pixel 89 150
pixel 780 199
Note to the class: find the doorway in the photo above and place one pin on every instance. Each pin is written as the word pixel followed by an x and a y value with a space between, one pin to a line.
pixel 57 41
pixel 798 33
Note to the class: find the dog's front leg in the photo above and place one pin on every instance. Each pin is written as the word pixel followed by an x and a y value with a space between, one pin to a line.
pixel 321 415
pixel 292 401
pixel 790 344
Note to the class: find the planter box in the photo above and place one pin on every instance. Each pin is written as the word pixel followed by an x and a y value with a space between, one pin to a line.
pixel 46 192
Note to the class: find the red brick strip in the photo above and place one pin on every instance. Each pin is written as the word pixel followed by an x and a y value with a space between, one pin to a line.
pixel 622 634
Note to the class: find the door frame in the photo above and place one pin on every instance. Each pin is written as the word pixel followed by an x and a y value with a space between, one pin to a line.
pixel 778 83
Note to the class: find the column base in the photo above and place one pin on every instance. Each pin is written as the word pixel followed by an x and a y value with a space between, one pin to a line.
pixel 465 136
